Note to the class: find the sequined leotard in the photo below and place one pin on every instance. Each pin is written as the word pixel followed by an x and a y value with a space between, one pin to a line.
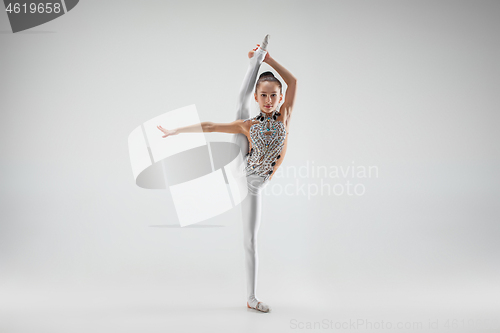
pixel 268 137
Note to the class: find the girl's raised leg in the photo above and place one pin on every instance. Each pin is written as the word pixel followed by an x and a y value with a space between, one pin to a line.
pixel 246 91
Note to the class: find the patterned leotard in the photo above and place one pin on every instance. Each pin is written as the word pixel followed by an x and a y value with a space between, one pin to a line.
pixel 268 137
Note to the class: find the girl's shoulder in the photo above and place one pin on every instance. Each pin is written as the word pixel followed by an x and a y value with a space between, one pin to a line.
pixel 250 121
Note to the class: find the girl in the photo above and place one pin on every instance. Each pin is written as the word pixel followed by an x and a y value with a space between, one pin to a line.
pixel 263 139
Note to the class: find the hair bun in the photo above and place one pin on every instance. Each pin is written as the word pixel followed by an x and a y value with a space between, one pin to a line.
pixel 266 74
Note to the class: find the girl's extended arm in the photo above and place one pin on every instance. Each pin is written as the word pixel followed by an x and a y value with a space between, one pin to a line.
pixel 206 126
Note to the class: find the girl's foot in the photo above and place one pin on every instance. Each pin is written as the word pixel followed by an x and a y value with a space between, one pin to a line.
pixel 263 46
pixel 260 49
pixel 263 307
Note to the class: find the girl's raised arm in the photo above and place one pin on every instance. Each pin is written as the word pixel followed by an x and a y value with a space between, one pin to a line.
pixel 290 81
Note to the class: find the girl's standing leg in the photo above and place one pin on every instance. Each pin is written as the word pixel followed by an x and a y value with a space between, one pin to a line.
pixel 251 209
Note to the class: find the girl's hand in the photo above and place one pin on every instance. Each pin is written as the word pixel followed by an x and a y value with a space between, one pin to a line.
pixel 167 132
pixel 250 54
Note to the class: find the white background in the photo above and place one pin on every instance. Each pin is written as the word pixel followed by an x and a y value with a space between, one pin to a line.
pixel 410 87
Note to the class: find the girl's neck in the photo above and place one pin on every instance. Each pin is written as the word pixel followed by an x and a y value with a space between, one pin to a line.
pixel 268 114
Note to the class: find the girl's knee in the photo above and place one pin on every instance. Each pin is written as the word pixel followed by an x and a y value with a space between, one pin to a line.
pixel 250 244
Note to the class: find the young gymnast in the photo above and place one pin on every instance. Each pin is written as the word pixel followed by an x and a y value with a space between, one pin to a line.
pixel 262 140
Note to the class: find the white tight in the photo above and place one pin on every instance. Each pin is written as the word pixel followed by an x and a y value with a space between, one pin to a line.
pixel 252 204
pixel 246 92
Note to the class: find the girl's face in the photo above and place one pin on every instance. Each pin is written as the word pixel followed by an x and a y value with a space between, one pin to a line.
pixel 268 96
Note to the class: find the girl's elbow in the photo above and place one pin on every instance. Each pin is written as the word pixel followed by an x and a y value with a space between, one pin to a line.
pixel 292 81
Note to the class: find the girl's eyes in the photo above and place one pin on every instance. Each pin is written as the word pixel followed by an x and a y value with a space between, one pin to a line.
pixel 264 95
